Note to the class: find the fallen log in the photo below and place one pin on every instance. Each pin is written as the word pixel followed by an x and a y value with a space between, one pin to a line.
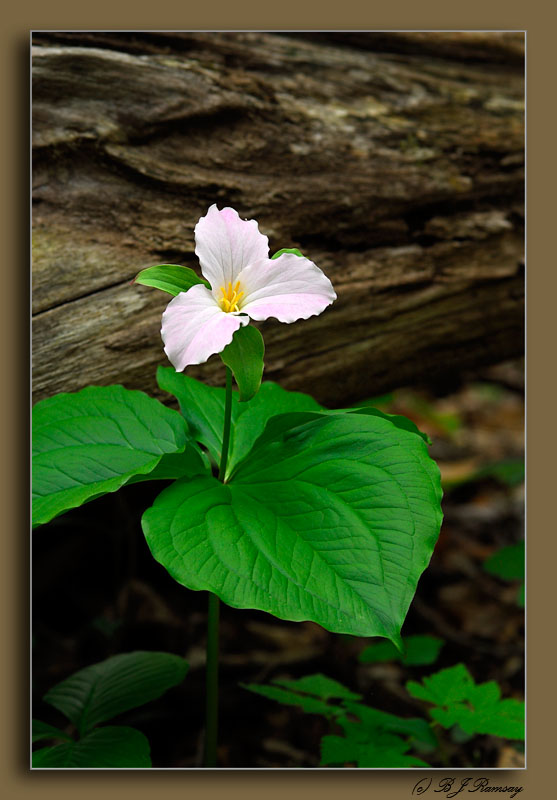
pixel 393 161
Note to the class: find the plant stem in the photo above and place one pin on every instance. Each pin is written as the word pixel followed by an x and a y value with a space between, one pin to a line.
pixel 212 679
pixel 212 675
pixel 226 429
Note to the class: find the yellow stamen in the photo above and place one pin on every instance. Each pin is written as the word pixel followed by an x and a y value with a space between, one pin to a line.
pixel 231 297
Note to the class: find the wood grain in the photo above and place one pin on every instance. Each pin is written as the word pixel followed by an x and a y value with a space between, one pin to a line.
pixel 393 161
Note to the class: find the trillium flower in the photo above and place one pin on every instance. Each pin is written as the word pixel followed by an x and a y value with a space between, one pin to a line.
pixel 245 284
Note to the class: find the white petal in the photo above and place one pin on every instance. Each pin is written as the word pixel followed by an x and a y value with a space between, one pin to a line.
pixel 195 327
pixel 225 244
pixel 288 287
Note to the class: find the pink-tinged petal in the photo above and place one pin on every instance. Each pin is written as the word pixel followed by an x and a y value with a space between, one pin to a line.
pixel 194 327
pixel 288 287
pixel 225 244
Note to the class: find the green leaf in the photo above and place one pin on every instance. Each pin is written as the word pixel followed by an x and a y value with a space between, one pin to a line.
pixel 418 650
pixel 311 705
pixel 444 687
pixel 510 472
pixel 171 278
pixel 177 465
pixel 476 708
pixel 372 719
pixel 310 693
pixel 92 442
pixel 332 520
pixel 271 400
pixel 42 730
pixel 203 408
pixel 507 563
pixel 244 356
pixel 101 691
pixel 280 423
pixel 397 419
pixel 319 686
pixel 373 740
pixel 292 250
pixel 381 751
pixel 103 748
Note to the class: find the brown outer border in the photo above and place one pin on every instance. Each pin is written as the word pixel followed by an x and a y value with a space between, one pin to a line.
pixel 17 781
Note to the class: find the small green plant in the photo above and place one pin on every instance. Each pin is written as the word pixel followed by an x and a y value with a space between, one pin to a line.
pixel 508 564
pixel 475 707
pixel 368 737
pixel 509 472
pixel 372 738
pixel 95 695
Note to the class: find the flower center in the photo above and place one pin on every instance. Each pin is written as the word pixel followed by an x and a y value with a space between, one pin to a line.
pixel 230 297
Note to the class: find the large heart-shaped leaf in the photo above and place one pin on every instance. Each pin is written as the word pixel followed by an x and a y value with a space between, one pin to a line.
pixel 177 465
pixel 332 520
pixel 92 442
pixel 104 748
pixel 101 691
pixel 397 419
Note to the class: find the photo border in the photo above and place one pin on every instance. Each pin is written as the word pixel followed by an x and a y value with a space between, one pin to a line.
pixel 18 781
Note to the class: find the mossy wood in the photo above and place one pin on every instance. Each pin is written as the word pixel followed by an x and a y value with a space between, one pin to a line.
pixel 392 160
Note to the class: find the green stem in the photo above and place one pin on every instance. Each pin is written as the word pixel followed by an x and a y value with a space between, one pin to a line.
pixel 226 429
pixel 212 698
pixel 212 678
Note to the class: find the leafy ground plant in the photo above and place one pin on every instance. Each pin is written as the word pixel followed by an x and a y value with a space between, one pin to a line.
pixel 475 707
pixel 371 738
pixel 97 694
pixel 277 504
pixel 508 564
pixel 363 736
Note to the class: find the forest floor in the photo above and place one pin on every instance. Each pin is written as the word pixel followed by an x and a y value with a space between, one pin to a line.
pixel 98 592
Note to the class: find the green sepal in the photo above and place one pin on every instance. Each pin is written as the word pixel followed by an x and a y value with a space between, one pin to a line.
pixel 171 278
pixel 292 250
pixel 244 356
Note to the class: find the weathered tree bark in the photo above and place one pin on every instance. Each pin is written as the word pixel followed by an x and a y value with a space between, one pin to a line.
pixel 393 161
